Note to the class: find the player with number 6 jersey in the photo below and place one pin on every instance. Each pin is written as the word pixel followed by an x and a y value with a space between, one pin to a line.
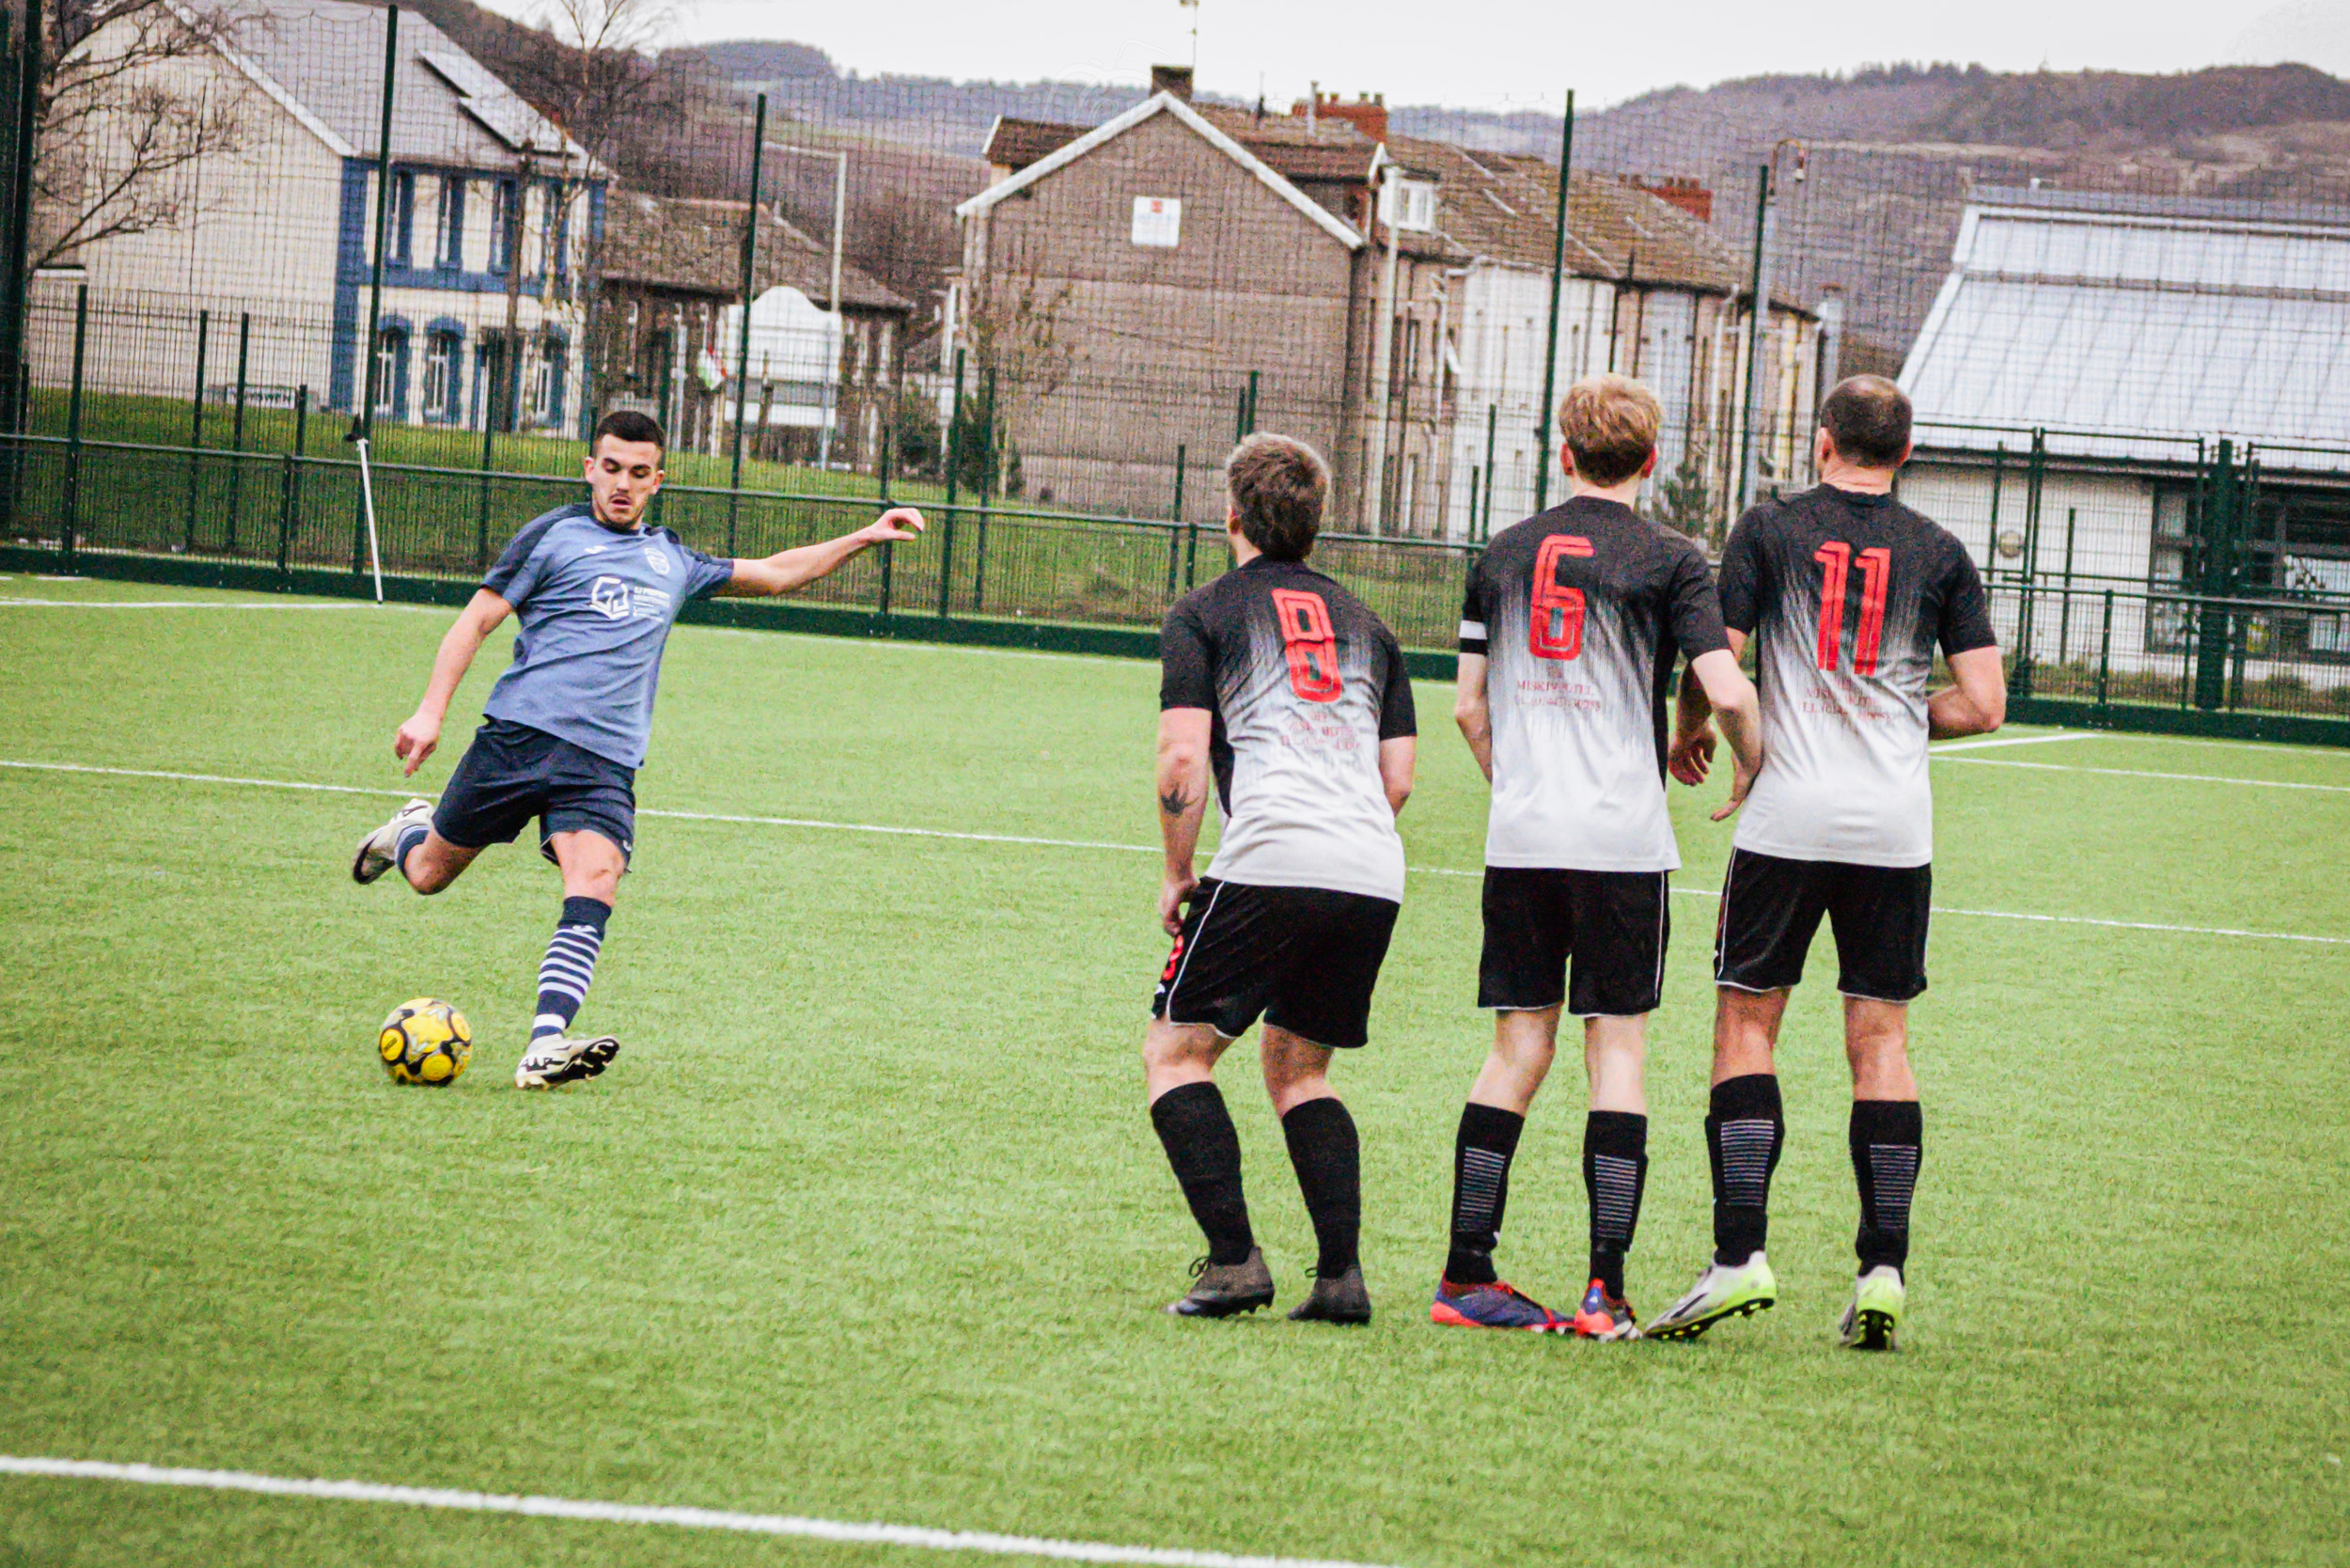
pixel 1847 594
pixel 1570 630
pixel 1285 694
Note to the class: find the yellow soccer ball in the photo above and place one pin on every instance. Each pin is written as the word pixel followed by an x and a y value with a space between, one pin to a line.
pixel 424 1042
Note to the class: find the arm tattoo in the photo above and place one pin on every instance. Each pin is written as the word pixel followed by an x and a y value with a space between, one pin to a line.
pixel 1172 802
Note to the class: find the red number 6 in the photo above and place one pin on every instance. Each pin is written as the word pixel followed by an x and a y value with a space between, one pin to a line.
pixel 1551 598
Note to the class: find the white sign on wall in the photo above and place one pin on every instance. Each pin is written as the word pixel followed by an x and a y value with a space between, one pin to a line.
pixel 1158 221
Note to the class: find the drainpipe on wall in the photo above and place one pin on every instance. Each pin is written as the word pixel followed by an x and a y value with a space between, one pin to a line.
pixel 1383 351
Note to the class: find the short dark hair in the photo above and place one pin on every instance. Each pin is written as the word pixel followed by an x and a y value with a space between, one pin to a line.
pixel 1278 486
pixel 1868 418
pixel 626 424
pixel 1609 423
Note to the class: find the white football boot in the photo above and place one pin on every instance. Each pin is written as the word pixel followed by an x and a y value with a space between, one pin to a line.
pixel 1873 1319
pixel 552 1060
pixel 375 850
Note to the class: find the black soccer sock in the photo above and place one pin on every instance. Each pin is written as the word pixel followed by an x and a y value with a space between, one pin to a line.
pixel 1888 1142
pixel 570 966
pixel 1743 1132
pixel 1328 1159
pixel 1481 1152
pixel 1614 1169
pixel 1203 1146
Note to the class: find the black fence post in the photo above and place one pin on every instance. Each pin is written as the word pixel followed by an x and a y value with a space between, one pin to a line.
pixel 989 461
pixel 301 418
pixel 236 442
pixel 1175 534
pixel 2105 653
pixel 196 424
pixel 954 474
pixel 2213 626
pixel 888 551
pixel 73 539
pixel 288 483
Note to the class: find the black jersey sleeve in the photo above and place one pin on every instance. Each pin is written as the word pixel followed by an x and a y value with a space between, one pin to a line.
pixel 1186 662
pixel 1966 609
pixel 1741 592
pixel 1396 718
pixel 1477 606
pixel 1693 608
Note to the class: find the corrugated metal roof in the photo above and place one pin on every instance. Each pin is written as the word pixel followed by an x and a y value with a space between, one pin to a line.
pixel 2137 322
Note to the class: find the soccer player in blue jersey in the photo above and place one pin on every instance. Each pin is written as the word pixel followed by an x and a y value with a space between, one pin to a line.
pixel 566 726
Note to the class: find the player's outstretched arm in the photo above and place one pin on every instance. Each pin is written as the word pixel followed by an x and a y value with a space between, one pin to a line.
pixel 789 569
pixel 1976 703
pixel 1471 713
pixel 1729 695
pixel 417 738
pixel 1183 781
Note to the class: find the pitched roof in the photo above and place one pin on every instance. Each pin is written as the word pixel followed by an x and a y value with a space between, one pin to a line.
pixel 696 246
pixel 1503 207
pixel 1168 103
pixel 1333 150
pixel 2140 317
pixel 324 61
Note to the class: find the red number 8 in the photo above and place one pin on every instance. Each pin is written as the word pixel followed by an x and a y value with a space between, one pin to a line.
pixel 1550 598
pixel 1311 647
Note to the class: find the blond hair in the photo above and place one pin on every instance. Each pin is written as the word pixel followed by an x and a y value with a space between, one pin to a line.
pixel 1609 423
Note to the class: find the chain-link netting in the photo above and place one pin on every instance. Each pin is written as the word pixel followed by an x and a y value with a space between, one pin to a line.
pixel 1046 312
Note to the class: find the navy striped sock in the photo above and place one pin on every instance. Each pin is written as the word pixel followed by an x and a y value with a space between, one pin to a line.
pixel 570 966
pixel 410 837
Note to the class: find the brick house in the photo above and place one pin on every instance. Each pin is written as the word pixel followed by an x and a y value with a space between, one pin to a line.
pixel 1180 254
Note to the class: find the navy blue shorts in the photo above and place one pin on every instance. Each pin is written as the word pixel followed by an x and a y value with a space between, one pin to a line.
pixel 512 773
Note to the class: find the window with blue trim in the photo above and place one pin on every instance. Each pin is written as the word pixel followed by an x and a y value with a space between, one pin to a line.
pixel 403 218
pixel 546 382
pixel 442 358
pixel 505 227
pixel 448 228
pixel 391 373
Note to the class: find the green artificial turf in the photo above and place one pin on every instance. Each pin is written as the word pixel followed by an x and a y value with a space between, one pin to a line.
pixel 868 1223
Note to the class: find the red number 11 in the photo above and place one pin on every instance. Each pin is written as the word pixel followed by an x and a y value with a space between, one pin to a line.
pixel 1876 568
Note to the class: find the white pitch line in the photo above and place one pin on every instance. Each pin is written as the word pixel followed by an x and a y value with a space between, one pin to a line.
pixel 888 830
pixel 2145 773
pixel 983 1542
pixel 20 603
pixel 2013 740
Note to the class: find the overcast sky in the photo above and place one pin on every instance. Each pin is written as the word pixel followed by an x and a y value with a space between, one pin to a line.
pixel 1502 53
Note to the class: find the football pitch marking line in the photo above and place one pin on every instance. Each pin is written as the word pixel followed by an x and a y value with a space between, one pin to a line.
pixel 21 604
pixel 888 830
pixel 2148 773
pixel 917 1536
pixel 2014 740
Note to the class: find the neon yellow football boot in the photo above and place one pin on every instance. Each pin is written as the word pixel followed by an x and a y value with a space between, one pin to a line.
pixel 1875 1314
pixel 1723 1291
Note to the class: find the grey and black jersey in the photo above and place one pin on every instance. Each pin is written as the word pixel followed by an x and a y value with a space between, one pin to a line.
pixel 1304 684
pixel 1580 613
pixel 1847 595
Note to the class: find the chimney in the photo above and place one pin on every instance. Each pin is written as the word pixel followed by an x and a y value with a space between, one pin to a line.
pixel 1368 114
pixel 1680 190
pixel 1174 79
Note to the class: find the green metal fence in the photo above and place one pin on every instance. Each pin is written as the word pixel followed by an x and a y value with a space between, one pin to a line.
pixel 2082 648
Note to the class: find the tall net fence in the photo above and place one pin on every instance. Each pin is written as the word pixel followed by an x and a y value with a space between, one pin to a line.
pixel 1046 312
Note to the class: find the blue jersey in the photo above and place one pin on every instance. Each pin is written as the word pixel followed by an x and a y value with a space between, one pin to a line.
pixel 596 605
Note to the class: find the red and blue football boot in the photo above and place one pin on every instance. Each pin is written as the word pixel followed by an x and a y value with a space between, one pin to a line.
pixel 1491 1306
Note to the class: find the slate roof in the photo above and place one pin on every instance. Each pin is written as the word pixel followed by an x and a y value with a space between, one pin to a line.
pixel 325 61
pixel 2140 317
pixel 696 246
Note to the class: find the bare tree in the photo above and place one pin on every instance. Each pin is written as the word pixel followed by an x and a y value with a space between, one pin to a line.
pixel 1014 330
pixel 122 129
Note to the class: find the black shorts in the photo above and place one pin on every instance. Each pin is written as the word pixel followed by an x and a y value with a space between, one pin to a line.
pixel 512 773
pixel 1771 910
pixel 1613 924
pixel 1305 958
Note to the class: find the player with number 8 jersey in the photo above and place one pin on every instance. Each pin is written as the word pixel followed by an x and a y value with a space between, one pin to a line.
pixel 1290 700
